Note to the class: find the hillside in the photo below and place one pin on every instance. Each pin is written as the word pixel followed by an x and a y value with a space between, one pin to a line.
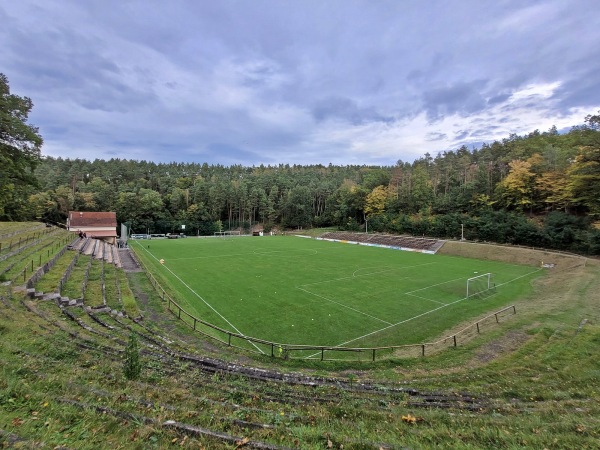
pixel 530 382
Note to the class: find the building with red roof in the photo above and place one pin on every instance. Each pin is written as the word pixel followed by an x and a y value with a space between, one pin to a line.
pixel 99 225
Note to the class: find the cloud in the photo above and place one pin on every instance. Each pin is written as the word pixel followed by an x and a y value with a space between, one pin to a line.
pixel 461 98
pixel 345 109
pixel 297 82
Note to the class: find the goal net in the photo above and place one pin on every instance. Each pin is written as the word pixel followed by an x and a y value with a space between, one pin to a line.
pixel 480 285
pixel 227 233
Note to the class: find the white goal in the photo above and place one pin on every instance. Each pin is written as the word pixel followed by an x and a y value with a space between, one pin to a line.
pixel 227 233
pixel 479 285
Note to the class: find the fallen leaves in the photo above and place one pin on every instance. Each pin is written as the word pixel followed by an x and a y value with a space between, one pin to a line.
pixel 17 421
pixel 409 419
pixel 241 442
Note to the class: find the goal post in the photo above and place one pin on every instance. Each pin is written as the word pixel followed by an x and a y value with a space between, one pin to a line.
pixel 227 233
pixel 479 284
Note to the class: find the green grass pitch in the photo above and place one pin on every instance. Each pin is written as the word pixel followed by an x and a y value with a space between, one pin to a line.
pixel 291 290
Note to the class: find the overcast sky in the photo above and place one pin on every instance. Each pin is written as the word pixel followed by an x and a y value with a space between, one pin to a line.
pixel 297 81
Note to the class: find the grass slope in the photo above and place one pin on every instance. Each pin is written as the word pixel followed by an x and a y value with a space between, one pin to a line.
pixel 531 382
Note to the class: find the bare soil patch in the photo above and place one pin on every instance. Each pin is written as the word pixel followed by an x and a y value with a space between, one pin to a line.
pixel 509 342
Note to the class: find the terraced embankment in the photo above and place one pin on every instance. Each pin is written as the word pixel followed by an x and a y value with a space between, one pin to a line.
pixel 63 386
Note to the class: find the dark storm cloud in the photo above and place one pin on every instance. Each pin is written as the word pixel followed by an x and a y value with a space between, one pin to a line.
pixel 460 135
pixel 498 99
pixel 346 109
pixel 306 82
pixel 436 136
pixel 461 98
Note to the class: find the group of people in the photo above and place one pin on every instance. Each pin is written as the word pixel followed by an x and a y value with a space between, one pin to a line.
pixel 82 234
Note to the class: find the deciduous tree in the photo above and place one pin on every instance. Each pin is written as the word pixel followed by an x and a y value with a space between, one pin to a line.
pixel 20 145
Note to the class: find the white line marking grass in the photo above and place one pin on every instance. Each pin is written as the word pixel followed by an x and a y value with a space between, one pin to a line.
pixel 425 298
pixel 344 306
pixel 419 315
pixel 200 297
pixel 252 253
pixel 354 275
pixel 333 280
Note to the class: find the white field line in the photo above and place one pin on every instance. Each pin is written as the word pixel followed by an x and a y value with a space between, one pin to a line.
pixel 344 306
pixel 514 279
pixel 253 253
pixel 311 251
pixel 433 285
pixel 392 325
pixel 418 315
pixel 205 302
pixel 365 275
pixel 301 287
pixel 428 299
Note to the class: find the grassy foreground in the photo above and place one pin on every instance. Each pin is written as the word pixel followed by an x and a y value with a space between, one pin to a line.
pixel 532 382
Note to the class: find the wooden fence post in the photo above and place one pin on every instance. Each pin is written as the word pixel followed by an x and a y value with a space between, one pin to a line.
pixel 454 337
pixel 477 327
pixel 496 315
pixel 422 349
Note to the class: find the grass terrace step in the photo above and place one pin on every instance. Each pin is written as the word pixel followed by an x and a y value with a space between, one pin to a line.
pixel 529 383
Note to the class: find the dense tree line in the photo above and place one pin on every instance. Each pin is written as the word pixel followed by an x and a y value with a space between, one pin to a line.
pixel 542 190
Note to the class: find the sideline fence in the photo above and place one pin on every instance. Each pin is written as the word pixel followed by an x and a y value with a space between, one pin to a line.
pixel 323 353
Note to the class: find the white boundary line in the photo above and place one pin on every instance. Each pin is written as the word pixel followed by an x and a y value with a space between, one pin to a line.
pixel 354 275
pixel 253 253
pixel 365 275
pixel 419 315
pixel 205 302
pixel 345 306
pixel 427 299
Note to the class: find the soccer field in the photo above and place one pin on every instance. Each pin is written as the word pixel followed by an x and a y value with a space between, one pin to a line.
pixel 291 290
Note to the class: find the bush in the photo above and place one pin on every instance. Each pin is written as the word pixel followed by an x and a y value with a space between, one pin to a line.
pixel 132 367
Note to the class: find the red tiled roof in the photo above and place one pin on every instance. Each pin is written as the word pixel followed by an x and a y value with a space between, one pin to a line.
pixel 92 219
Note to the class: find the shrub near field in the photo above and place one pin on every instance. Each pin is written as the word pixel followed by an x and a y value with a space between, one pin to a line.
pixel 304 291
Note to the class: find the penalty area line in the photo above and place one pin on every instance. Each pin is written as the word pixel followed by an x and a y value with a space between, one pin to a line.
pixel 421 315
pixel 344 306
pixel 205 302
pixel 392 325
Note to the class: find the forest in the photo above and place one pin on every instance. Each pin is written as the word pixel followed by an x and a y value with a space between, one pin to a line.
pixel 540 190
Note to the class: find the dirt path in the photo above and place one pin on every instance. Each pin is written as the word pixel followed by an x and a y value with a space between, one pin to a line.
pixel 128 262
